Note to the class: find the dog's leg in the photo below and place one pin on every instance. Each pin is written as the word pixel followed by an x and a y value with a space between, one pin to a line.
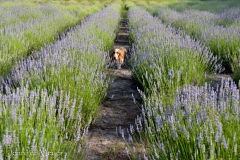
pixel 119 65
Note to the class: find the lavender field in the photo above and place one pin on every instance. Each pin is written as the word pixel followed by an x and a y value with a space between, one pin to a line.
pixel 54 63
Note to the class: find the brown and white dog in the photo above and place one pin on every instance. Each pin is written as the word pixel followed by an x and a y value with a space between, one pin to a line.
pixel 118 55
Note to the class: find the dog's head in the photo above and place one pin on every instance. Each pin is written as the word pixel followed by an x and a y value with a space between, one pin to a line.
pixel 116 54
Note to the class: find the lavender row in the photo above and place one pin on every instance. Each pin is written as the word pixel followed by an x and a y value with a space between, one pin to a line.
pixel 228 17
pixel 18 41
pixel 165 58
pixel 11 16
pixel 34 125
pixel 202 123
pixel 51 97
pixel 193 122
pixel 222 39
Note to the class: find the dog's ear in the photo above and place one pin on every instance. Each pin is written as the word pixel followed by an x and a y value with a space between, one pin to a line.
pixel 124 50
pixel 111 53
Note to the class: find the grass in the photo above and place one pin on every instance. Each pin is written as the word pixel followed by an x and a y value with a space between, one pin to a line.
pixel 18 3
pixel 80 9
pixel 205 5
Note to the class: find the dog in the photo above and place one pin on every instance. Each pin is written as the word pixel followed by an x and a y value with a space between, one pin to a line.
pixel 118 55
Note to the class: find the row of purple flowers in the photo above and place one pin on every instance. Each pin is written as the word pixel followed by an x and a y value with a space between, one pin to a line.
pixel 189 121
pixel 50 98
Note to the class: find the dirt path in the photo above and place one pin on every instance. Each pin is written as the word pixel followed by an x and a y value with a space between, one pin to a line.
pixel 118 109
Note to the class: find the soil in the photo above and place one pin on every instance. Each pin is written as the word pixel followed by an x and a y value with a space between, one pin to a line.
pixel 215 80
pixel 118 110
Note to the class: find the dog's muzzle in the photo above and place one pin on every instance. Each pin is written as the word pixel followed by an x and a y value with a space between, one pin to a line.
pixel 115 56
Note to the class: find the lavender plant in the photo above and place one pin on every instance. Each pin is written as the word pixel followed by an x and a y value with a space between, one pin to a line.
pixel 33 128
pixel 60 88
pixel 79 9
pixel 225 43
pixel 18 41
pixel 222 41
pixel 165 58
pixel 211 6
pixel 203 123
pixel 11 16
pixel 88 10
pixel 227 17
pixel 190 21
